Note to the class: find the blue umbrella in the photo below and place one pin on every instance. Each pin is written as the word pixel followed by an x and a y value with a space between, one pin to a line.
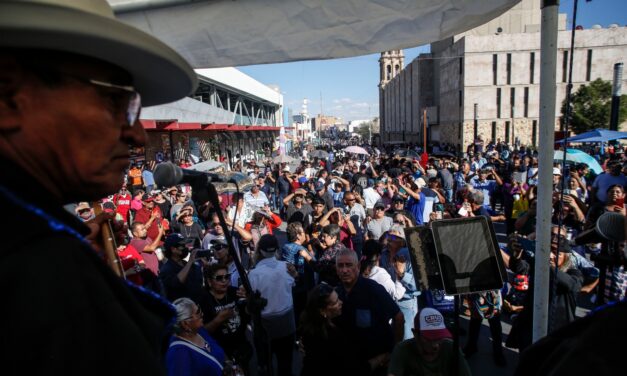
pixel 578 156
pixel 597 135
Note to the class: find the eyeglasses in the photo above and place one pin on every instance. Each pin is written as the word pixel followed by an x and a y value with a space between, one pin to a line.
pixel 126 100
pixel 222 277
pixel 349 200
pixel 378 208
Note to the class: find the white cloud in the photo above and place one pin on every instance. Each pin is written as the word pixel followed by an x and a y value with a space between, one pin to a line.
pixel 342 100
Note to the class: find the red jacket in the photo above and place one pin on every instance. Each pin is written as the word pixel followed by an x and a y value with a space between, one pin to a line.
pixel 271 223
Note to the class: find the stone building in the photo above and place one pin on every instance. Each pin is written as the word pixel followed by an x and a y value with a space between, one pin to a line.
pixel 322 123
pixel 485 82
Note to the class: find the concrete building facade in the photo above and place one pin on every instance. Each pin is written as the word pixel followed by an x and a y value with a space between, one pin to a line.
pixel 485 82
pixel 231 116
pixel 322 123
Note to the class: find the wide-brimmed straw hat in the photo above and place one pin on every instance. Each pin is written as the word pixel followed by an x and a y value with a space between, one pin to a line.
pixel 89 28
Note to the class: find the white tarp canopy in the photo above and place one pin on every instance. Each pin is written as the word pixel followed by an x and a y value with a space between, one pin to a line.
pixel 219 33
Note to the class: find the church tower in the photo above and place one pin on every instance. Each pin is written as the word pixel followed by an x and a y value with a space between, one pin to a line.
pixel 390 64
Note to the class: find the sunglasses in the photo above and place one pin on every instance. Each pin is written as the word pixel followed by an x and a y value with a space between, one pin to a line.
pixel 219 247
pixel 393 237
pixel 222 277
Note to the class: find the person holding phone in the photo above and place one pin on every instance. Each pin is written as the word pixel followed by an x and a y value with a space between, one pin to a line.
pixel 180 278
pixel 615 203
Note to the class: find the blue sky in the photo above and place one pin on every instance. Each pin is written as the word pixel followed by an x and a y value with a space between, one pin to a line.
pixel 349 86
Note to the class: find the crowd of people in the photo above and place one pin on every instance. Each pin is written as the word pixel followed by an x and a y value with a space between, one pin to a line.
pixel 341 288
pixel 342 274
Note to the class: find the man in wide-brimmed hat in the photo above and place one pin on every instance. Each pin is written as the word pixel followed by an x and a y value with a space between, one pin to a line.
pixel 72 83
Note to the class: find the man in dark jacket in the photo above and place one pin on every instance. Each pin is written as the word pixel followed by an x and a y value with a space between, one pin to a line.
pixel 68 114
pixel 569 280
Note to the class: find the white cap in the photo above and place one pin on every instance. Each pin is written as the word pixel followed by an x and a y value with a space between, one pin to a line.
pixel 431 324
pixel 556 171
pixel 286 169
pixel 420 182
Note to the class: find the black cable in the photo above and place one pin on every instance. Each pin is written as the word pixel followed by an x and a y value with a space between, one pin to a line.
pixel 566 123
pixel 256 302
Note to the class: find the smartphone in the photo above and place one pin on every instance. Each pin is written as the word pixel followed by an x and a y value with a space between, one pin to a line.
pixel 206 253
pixel 620 202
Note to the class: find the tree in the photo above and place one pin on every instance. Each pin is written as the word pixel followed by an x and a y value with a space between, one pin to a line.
pixel 364 130
pixel 591 107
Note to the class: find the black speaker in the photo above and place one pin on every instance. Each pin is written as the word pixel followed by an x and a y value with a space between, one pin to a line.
pixel 460 256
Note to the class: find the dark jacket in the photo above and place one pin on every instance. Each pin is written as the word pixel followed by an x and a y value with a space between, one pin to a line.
pixel 588 346
pixel 64 310
pixel 568 286
pixel 333 355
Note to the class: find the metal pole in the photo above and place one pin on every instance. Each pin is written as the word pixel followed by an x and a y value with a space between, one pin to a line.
pixel 548 60
pixel 616 93
pixel 476 122
pixel 424 130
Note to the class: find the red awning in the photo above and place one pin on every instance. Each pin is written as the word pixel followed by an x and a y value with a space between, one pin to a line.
pixel 173 125
pixel 214 127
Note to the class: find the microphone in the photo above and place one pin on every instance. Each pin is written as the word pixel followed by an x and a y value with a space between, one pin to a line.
pixel 167 174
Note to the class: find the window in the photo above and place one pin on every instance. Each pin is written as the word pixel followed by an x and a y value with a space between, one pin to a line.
pixel 498 102
pixel 589 65
pixel 461 66
pixel 460 98
pixel 526 101
pixel 396 69
pixel 534 132
pixel 507 132
pixel 388 75
pixel 532 65
pixel 495 61
pixel 565 66
pixel 512 101
pixel 509 69
pixel 494 131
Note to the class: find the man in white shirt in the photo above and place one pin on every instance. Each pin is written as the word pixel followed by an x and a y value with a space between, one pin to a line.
pixel 371 196
pixel 241 211
pixel 310 172
pixel 274 281
pixel 256 198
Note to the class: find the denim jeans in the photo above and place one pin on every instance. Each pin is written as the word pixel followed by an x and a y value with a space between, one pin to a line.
pixel 409 308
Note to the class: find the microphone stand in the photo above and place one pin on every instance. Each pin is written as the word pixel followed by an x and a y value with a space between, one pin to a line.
pixel 201 193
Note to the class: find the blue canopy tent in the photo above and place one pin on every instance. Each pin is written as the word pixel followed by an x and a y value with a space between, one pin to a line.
pixel 578 156
pixel 597 135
